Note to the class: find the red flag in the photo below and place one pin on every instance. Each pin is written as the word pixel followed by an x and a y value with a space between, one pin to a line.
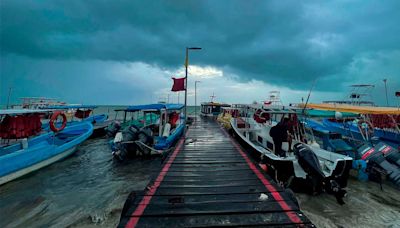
pixel 179 84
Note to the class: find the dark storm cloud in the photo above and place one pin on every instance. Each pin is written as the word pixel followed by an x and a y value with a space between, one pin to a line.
pixel 280 42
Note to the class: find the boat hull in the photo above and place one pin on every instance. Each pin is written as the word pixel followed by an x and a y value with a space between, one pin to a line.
pixel 37 166
pixel 166 143
pixel 287 171
pixel 45 150
pixel 352 131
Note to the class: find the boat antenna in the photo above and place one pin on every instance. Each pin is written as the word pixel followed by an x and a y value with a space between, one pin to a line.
pixel 309 94
pixel 212 97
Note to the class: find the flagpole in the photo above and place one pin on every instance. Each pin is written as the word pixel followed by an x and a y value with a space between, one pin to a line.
pixel 186 78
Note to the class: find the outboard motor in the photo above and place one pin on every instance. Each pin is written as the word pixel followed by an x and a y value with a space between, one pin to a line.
pixel 390 153
pixel 113 128
pixel 308 161
pixel 310 164
pixel 145 137
pixel 377 158
pixel 127 148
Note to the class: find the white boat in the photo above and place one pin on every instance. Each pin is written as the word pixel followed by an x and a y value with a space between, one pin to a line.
pixel 329 170
pixel 212 109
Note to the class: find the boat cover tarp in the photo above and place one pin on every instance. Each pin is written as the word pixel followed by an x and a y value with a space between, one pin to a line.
pixel 355 109
pixel 154 107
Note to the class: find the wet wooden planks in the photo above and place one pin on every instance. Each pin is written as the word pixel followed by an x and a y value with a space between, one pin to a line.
pixel 209 181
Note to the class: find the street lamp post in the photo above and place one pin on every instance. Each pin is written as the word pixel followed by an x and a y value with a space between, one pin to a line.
pixel 195 100
pixel 387 100
pixel 186 76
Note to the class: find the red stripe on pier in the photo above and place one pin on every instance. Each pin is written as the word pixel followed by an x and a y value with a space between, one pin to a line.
pixel 277 196
pixel 135 216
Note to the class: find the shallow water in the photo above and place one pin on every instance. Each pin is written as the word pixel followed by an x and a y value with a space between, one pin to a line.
pixel 366 206
pixel 89 189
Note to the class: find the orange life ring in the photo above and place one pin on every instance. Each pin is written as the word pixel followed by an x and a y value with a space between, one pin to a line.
pixel 54 117
pixel 370 127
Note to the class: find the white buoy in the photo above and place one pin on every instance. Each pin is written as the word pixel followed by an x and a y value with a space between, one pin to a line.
pixel 338 115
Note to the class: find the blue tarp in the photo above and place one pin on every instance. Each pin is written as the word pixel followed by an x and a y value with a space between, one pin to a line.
pixel 154 107
pixel 71 106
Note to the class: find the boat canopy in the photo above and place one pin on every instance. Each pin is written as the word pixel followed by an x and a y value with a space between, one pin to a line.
pixel 23 111
pixel 153 107
pixel 71 106
pixel 355 109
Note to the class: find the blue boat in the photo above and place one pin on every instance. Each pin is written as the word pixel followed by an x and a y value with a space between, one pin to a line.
pixel 83 113
pixel 24 153
pixel 153 136
pixel 366 133
pixel 328 140
pixel 373 122
pixel 370 159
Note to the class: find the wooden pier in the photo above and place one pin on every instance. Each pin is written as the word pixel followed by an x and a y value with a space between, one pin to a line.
pixel 208 180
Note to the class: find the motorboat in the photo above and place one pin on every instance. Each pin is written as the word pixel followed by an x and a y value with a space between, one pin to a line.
pixel 156 136
pixel 372 160
pixel 306 166
pixel 26 147
pixel 373 122
pixel 84 113
pixel 211 108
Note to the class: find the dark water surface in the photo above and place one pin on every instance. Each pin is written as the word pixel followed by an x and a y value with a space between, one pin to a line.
pixel 366 206
pixel 86 189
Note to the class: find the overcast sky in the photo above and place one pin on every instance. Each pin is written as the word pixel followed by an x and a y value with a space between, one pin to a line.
pixel 125 52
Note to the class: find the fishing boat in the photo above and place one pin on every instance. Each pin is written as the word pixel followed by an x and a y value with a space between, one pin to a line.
pixel 84 113
pixel 306 167
pixel 373 123
pixel 370 161
pixel 128 119
pixel 36 103
pixel 211 109
pixel 154 137
pixel 26 147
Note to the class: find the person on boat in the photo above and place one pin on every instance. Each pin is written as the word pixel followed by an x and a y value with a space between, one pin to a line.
pixel 280 134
